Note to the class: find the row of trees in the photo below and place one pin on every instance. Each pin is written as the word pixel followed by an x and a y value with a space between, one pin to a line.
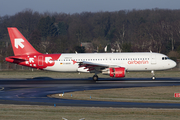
pixel 157 30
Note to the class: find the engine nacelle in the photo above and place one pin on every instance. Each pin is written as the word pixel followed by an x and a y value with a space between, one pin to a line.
pixel 115 72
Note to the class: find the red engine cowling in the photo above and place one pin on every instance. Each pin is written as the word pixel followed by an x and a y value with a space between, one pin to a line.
pixel 117 72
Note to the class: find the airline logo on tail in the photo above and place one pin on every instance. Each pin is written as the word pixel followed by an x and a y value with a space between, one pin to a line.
pixel 18 42
pixel 26 55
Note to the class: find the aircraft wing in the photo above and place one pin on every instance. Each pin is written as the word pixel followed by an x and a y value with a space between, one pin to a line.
pixel 92 67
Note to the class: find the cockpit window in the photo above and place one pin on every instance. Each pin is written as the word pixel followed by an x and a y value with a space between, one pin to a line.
pixel 165 58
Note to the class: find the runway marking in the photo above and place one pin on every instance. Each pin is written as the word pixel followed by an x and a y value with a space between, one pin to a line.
pixel 2 89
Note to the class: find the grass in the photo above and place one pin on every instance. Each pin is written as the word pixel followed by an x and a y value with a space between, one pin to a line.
pixel 22 112
pixel 138 94
pixel 40 73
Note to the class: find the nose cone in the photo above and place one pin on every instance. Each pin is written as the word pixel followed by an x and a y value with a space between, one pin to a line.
pixel 173 64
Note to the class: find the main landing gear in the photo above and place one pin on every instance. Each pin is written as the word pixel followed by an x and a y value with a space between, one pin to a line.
pixel 95 77
pixel 153 75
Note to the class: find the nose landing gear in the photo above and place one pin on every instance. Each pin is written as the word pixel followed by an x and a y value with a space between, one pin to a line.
pixel 153 75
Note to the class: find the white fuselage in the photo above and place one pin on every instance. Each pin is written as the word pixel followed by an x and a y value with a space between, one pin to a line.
pixel 144 61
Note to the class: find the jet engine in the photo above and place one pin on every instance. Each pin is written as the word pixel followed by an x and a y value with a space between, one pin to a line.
pixel 117 72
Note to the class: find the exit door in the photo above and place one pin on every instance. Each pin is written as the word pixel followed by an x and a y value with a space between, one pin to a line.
pixel 40 60
pixel 153 59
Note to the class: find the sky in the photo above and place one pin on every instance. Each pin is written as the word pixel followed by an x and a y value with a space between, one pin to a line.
pixel 11 7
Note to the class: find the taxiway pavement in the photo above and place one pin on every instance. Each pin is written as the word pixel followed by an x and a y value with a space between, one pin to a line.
pixel 35 91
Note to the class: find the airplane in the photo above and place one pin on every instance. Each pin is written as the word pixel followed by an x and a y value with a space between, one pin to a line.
pixel 113 64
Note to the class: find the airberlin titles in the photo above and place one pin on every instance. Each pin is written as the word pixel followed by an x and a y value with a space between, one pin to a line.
pixel 138 62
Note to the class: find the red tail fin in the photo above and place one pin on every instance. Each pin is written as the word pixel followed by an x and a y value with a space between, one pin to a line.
pixel 19 43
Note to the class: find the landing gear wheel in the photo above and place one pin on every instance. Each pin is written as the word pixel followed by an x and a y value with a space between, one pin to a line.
pixel 95 77
pixel 153 78
pixel 153 75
